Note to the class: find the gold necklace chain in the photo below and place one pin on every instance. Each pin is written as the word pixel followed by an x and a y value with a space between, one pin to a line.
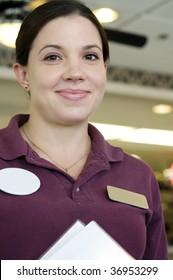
pixel 66 169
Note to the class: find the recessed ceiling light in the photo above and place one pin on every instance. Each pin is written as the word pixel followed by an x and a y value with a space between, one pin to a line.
pixel 162 109
pixel 106 15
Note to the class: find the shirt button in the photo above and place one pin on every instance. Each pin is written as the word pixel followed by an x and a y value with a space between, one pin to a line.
pixel 77 189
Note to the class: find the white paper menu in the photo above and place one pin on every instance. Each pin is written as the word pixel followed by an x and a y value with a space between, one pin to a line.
pixel 68 235
pixel 86 242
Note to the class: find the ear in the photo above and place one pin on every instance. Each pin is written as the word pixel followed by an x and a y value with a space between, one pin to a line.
pixel 21 74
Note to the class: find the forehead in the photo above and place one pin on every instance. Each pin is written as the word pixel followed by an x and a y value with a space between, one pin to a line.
pixel 73 28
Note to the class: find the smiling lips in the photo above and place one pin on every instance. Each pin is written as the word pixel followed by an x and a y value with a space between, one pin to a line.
pixel 73 94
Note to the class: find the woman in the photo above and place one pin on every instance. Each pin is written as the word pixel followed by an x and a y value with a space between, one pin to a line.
pixel 61 60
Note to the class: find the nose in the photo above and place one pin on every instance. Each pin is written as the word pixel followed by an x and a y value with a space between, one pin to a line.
pixel 74 71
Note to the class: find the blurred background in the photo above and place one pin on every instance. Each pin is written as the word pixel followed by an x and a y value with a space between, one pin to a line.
pixel 137 111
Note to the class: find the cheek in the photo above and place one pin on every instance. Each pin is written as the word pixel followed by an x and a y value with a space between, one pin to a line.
pixel 41 81
pixel 99 77
pixel 100 90
pixel 101 82
pixel 40 76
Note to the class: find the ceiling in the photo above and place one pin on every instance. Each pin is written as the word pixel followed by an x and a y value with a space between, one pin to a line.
pixel 138 77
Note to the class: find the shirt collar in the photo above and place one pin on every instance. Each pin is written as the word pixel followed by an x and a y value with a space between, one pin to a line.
pixel 108 152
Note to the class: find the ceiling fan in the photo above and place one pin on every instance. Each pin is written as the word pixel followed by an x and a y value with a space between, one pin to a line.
pixel 18 9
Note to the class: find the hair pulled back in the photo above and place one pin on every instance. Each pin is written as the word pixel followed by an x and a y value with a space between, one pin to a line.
pixel 39 17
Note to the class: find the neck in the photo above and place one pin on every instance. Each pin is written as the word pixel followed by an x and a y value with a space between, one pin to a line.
pixel 66 147
pixel 58 136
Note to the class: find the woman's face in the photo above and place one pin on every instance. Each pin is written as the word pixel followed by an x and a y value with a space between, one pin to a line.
pixel 66 72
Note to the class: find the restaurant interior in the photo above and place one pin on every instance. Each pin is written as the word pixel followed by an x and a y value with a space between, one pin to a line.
pixel 137 111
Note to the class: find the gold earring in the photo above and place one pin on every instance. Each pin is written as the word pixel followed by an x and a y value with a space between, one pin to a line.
pixel 26 87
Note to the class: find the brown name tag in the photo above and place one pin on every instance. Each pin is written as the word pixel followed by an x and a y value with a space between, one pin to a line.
pixel 127 197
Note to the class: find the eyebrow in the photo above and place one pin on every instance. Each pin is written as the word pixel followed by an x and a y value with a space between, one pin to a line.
pixel 87 47
pixel 50 46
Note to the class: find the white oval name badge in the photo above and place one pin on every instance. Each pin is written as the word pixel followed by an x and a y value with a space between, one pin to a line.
pixel 18 181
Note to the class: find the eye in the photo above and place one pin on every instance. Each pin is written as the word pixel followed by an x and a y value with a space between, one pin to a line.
pixel 91 56
pixel 52 57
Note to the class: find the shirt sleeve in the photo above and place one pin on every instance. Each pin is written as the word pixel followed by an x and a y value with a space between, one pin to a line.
pixel 156 244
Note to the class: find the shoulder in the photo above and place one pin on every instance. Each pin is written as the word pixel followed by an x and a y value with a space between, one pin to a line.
pixel 11 142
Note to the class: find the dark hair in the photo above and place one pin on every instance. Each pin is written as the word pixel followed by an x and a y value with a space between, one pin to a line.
pixel 39 17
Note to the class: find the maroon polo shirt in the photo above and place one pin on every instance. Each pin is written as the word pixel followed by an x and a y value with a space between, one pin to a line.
pixel 30 224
